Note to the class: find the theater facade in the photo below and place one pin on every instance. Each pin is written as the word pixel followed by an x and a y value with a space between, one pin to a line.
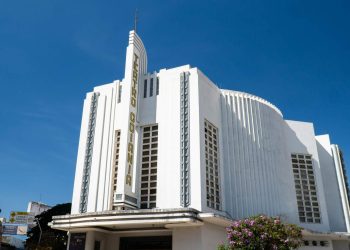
pixel 167 160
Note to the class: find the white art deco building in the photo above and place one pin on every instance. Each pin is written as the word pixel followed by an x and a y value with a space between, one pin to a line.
pixel 167 160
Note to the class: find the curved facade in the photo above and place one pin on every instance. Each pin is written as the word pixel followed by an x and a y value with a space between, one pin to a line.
pixel 255 157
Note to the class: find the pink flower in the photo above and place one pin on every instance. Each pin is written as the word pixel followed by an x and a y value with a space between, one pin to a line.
pixel 236 224
pixel 276 221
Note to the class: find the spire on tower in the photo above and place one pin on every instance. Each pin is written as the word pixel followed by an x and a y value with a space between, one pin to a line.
pixel 135 20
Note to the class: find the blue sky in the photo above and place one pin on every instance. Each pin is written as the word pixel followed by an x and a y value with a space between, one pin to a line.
pixel 293 53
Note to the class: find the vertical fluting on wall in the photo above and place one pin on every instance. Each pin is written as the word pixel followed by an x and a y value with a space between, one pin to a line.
pixel 88 154
pixel 185 139
pixel 252 132
pixel 108 190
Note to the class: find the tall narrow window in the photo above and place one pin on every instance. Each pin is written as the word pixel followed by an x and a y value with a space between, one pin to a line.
pixel 151 88
pixel 149 166
pixel 120 94
pixel 115 164
pixel 212 166
pixel 88 154
pixel 185 164
pixel 157 86
pixel 145 89
pixel 305 187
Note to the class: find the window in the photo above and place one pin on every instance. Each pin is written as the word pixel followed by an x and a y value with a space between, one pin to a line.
pixel 115 162
pixel 97 245
pixel 88 154
pixel 120 94
pixel 151 88
pixel 212 167
pixel 324 243
pixel 305 187
pixel 149 166
pixel 145 89
pixel 314 243
pixel 157 86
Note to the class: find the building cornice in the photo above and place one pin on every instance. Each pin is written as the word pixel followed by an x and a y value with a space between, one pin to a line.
pixel 142 219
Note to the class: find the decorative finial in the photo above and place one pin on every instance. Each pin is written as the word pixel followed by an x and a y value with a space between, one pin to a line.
pixel 135 21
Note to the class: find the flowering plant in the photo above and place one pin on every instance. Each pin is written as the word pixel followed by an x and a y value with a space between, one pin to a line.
pixel 262 232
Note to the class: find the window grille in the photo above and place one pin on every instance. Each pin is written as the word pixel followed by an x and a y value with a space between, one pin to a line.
pixel 115 163
pixel 88 154
pixel 305 187
pixel 185 138
pixel 149 166
pixel 212 166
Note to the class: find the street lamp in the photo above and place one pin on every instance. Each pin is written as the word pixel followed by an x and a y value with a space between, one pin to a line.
pixel 0 231
pixel 37 220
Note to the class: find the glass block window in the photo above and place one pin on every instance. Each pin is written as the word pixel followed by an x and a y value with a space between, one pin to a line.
pixel 149 166
pixel 212 166
pixel 88 154
pixel 305 186
pixel 115 161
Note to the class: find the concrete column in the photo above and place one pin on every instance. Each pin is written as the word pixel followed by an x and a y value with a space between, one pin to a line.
pixel 90 240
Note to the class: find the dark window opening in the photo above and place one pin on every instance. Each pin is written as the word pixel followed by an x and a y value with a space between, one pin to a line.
pixel 151 88
pixel 157 86
pixel 145 89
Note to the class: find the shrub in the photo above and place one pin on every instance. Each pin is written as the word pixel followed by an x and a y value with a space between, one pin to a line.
pixel 262 232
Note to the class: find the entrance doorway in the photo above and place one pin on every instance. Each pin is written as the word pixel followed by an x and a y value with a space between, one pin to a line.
pixel 146 243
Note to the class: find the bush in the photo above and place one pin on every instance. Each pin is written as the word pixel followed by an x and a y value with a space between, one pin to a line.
pixel 262 232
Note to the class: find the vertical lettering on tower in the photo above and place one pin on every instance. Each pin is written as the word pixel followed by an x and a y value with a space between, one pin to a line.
pixel 132 119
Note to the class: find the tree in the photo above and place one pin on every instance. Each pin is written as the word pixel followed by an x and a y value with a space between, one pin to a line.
pixel 262 232
pixel 50 238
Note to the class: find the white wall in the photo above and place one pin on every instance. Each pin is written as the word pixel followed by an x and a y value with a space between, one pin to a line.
pixel 330 183
pixel 342 183
pixel 81 155
pixel 99 189
pixel 257 177
pixel 167 115
pixel 340 245
pixel 99 194
pixel 206 237
pixel 301 139
pixel 318 247
pixel 207 101
pixel 92 236
pixel 187 238
pixel 255 144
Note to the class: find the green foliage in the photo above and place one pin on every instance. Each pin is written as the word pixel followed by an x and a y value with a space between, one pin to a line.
pixel 262 232
pixel 50 238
